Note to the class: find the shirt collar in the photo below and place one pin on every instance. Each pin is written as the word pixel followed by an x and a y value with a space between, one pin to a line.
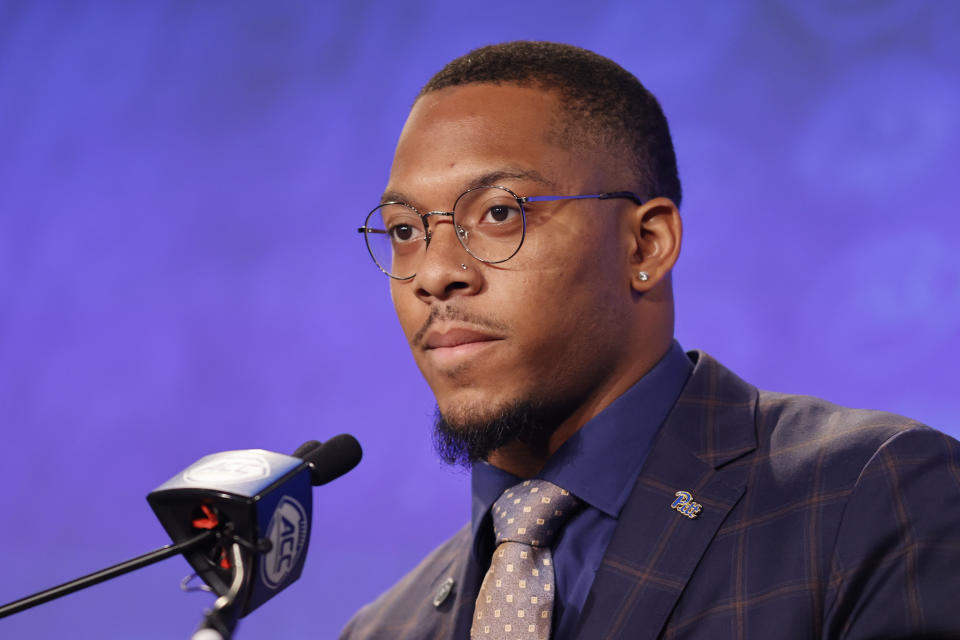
pixel 600 462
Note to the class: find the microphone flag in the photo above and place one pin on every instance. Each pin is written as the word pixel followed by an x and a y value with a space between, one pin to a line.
pixel 260 499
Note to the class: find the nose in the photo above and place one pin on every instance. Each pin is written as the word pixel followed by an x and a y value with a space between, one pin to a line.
pixel 447 269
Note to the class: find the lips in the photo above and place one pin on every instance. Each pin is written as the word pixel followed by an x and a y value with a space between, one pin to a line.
pixel 451 349
pixel 455 338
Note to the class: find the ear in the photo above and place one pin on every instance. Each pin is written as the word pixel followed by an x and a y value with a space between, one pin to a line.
pixel 656 232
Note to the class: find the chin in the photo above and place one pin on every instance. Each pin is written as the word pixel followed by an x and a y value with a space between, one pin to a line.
pixel 458 401
pixel 461 413
pixel 465 434
pixel 468 432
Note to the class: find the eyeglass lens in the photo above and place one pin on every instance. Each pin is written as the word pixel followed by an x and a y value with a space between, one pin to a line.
pixel 489 224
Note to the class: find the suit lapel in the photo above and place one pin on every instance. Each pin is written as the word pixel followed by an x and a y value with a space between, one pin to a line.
pixel 467 597
pixel 655 549
pixel 435 600
pixel 453 617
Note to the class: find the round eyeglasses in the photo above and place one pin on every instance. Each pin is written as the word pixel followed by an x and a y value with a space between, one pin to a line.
pixel 489 222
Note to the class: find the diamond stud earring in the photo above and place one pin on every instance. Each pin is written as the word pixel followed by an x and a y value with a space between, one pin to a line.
pixel 643 275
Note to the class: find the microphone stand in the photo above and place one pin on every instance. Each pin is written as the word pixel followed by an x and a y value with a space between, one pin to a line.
pixel 219 622
pixel 105 574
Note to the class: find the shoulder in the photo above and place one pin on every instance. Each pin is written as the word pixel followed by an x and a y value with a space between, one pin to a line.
pixel 895 562
pixel 884 491
pixel 802 432
pixel 799 426
pixel 408 605
pixel 788 432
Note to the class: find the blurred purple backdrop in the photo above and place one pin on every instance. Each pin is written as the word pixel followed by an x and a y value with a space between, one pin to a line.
pixel 180 185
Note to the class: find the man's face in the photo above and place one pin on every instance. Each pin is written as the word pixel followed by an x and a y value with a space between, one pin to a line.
pixel 545 326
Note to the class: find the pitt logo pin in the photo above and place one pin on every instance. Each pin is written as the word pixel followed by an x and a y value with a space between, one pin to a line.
pixel 685 504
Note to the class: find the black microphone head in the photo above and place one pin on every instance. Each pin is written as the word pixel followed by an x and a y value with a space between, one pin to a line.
pixel 333 458
pixel 304 450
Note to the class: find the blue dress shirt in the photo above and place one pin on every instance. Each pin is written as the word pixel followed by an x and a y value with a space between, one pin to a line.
pixel 599 464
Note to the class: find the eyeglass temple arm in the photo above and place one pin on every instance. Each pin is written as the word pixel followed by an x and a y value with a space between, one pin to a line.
pixel 371 230
pixel 600 196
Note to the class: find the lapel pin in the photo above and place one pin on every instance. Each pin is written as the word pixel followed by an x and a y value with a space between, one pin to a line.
pixel 685 505
pixel 443 592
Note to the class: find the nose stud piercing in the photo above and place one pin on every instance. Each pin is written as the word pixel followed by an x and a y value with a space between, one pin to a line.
pixel 644 276
pixel 463 266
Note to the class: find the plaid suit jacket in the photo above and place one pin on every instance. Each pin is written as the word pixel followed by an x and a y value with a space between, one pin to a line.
pixel 816 521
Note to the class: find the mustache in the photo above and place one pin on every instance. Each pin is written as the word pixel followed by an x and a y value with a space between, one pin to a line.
pixel 441 314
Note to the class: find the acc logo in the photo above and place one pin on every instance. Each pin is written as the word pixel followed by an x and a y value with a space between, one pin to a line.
pixel 227 468
pixel 288 535
pixel 685 504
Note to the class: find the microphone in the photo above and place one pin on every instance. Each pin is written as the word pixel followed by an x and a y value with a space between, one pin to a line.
pixel 259 504
pixel 240 518
pixel 332 459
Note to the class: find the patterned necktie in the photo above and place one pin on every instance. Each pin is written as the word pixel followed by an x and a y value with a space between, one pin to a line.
pixel 516 597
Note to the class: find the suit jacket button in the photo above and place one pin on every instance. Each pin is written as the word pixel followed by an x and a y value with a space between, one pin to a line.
pixel 443 592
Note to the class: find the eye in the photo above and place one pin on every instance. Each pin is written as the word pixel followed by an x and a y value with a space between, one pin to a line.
pixel 404 233
pixel 499 214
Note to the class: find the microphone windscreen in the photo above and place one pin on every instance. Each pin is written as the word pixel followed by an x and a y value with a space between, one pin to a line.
pixel 304 450
pixel 333 458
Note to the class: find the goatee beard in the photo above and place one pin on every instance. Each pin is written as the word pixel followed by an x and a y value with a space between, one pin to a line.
pixel 470 437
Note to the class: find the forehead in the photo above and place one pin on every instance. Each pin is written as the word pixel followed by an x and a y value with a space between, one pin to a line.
pixel 456 134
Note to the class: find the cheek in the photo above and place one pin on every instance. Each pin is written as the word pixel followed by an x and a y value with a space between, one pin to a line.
pixel 576 297
pixel 561 311
pixel 407 308
pixel 577 275
pixel 578 243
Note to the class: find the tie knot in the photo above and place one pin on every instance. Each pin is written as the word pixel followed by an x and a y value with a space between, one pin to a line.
pixel 532 512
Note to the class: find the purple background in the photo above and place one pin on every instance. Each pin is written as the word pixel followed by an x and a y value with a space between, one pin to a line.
pixel 180 184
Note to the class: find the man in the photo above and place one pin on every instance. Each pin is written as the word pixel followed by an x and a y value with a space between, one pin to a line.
pixel 529 228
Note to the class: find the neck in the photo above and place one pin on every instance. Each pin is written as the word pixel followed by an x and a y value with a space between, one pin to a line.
pixel 520 459
pixel 525 459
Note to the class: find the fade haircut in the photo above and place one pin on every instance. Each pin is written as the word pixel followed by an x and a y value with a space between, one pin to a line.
pixel 604 104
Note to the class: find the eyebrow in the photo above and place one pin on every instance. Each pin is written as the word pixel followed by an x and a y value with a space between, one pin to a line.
pixel 490 178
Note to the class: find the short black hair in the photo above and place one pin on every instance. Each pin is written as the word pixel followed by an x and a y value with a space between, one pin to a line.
pixel 603 101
